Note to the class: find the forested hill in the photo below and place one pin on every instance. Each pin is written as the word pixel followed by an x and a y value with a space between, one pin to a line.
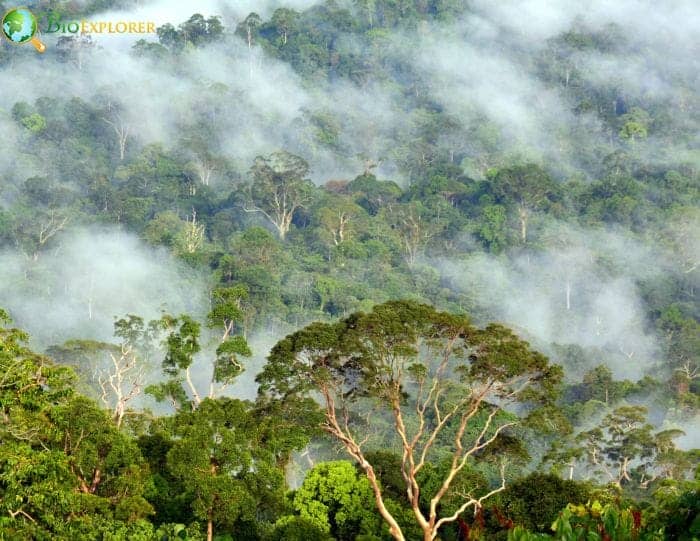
pixel 360 177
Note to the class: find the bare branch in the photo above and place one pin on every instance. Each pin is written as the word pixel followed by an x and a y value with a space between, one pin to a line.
pixel 470 502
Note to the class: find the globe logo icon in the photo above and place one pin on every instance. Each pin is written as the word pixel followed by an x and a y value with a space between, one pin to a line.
pixel 19 26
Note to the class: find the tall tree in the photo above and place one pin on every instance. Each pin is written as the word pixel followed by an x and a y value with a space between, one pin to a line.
pixel 220 454
pixel 183 343
pixel 528 188
pixel 279 188
pixel 66 471
pixel 338 217
pixel 433 373
pixel 624 449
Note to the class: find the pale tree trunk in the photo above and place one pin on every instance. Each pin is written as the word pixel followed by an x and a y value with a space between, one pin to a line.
pixel 624 474
pixel 281 218
pixel 394 528
pixel 415 234
pixel 121 129
pixel 205 170
pixel 340 231
pixel 210 513
pixel 354 448
pixel 250 53
pixel 416 449
pixel 284 223
pixel 194 234
pixel 195 395
pixel 523 218
pixel 122 134
pixel 54 225
pixel 122 383
pixel 213 391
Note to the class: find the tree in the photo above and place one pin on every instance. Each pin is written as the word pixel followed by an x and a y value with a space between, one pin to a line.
pixel 117 371
pixel 293 528
pixel 536 500
pixel 624 448
pixel 278 189
pixel 492 227
pixel 23 429
pixel 337 217
pixel 192 235
pixel 66 471
pixel 635 125
pixel 284 20
pixel 248 28
pixel 372 194
pixel 121 129
pixel 75 49
pixel 182 344
pixel 125 378
pixel 197 30
pixel 528 188
pixel 413 227
pixel 600 385
pixel 337 501
pixel 34 232
pixel 220 455
pixel 433 373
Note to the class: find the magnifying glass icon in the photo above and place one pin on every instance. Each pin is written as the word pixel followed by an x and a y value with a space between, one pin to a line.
pixel 19 26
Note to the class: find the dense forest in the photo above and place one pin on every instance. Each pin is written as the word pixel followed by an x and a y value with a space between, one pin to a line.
pixel 352 270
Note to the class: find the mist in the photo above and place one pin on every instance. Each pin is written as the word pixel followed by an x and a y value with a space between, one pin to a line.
pixel 90 278
pixel 481 70
pixel 584 293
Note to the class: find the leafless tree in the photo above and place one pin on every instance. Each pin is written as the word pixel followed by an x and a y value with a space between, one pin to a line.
pixel 122 381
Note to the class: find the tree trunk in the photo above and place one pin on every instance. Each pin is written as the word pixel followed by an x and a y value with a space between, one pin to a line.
pixel 394 528
pixel 210 512
pixel 523 217
pixel 122 146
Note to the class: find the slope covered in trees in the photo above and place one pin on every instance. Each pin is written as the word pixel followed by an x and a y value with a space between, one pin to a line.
pixel 352 270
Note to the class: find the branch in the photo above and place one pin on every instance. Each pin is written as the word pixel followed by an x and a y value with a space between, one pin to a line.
pixel 471 502
pixel 193 389
pixel 457 463
pixel 258 209
pixel 332 426
pixel 22 512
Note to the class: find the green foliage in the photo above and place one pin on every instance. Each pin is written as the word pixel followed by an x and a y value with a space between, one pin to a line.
pixel 65 469
pixel 212 455
pixel 194 32
pixel 337 500
pixel 371 360
pixel 534 501
pixel 294 528
pixel 279 252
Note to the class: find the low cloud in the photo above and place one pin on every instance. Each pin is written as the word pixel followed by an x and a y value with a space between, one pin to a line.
pixel 90 278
